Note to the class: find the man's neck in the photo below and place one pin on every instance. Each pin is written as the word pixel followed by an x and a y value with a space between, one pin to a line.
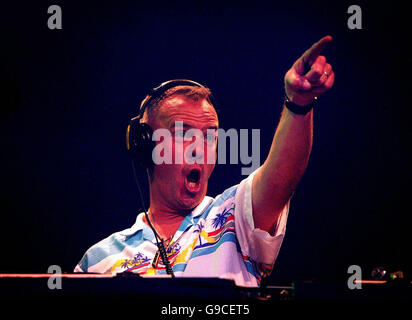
pixel 165 222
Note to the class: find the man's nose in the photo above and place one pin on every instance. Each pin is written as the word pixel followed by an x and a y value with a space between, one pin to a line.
pixel 197 150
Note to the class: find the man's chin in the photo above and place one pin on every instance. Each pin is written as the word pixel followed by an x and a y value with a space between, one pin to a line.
pixel 189 201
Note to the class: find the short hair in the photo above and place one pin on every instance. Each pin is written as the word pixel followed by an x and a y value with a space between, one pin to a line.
pixel 191 92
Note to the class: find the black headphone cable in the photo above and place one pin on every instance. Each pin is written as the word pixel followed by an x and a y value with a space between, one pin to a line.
pixel 160 244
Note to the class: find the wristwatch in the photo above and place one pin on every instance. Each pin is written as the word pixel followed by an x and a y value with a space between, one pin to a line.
pixel 299 109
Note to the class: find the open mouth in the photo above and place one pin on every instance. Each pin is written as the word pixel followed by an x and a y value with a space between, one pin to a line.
pixel 192 180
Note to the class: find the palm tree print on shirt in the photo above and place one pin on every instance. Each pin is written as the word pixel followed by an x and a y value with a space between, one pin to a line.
pixel 221 218
pixel 198 229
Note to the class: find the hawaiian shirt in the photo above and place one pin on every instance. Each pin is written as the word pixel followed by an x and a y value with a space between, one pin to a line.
pixel 217 239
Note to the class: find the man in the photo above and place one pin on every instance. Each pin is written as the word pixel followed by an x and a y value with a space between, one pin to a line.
pixel 238 234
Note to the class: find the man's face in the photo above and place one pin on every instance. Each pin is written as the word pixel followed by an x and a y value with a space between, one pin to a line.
pixel 182 186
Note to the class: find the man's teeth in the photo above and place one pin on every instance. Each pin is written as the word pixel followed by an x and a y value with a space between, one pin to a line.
pixel 192 184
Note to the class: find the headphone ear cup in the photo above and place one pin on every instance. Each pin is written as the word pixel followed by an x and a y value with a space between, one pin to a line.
pixel 139 143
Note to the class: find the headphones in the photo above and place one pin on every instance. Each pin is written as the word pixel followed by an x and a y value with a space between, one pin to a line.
pixel 139 135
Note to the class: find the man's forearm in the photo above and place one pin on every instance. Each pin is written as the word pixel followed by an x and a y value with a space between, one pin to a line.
pixel 275 181
pixel 289 153
pixel 279 175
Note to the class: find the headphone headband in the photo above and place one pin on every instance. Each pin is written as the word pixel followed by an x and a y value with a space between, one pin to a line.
pixel 162 88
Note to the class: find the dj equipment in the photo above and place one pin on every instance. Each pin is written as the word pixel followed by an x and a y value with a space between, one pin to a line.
pixel 128 285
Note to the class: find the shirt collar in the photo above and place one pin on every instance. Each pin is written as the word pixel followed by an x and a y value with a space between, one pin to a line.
pixel 201 207
pixel 137 226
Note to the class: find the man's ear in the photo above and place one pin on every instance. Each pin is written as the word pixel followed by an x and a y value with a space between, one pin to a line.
pixel 150 174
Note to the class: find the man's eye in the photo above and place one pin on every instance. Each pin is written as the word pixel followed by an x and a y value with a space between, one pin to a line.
pixel 179 134
pixel 210 138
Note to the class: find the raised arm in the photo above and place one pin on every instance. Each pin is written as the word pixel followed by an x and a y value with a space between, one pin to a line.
pixel 274 182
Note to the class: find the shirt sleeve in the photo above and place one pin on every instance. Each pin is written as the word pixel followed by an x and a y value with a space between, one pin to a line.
pixel 82 266
pixel 254 242
pixel 78 269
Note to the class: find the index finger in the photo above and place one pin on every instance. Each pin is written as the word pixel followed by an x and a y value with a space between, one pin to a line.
pixel 315 50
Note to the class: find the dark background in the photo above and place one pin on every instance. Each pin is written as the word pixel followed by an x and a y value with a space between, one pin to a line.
pixel 67 96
